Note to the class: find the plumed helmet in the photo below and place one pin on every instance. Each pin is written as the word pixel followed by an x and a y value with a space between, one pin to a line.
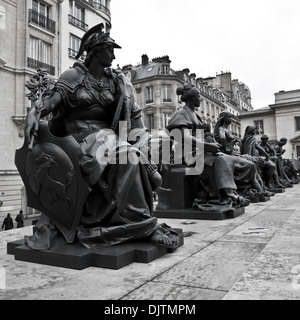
pixel 95 37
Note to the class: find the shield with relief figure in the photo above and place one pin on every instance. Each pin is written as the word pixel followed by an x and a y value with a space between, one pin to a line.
pixel 53 180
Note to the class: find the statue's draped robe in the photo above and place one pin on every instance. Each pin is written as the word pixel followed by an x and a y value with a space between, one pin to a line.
pixel 218 168
pixel 119 206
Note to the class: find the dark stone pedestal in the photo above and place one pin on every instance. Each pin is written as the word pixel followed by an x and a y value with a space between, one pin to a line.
pixel 197 214
pixel 260 199
pixel 276 190
pixel 76 257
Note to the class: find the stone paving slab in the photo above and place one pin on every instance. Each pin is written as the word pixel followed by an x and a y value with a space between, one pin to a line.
pixel 275 274
pixel 216 267
pixel 272 276
pixel 218 261
pixel 164 291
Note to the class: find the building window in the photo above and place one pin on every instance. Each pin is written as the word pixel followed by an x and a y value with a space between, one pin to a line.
pixel 98 6
pixel 2 18
pixel 77 16
pixel 213 111
pixel 165 69
pixel 151 121
pixel 259 127
pixel 40 50
pixel 166 117
pixel 74 46
pixel 40 55
pixel 149 93
pixel 298 152
pixel 167 97
pixel 41 8
pixel 297 123
pixel 40 15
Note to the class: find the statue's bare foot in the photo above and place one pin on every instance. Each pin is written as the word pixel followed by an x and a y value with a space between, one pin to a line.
pixel 165 236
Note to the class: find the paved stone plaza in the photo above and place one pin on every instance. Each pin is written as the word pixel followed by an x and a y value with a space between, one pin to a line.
pixel 254 256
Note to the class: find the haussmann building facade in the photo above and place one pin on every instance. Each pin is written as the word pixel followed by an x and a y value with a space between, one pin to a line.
pixel 34 34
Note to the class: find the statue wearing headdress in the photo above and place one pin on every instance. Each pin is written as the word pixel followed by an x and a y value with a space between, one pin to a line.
pixel 94 104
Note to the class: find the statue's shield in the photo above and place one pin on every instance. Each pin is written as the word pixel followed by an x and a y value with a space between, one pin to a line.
pixel 53 180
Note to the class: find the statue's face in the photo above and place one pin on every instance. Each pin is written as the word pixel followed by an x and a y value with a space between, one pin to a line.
pixel 227 120
pixel 197 99
pixel 251 131
pixel 106 56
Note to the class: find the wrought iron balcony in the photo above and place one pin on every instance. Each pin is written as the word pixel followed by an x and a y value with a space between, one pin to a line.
pixel 73 54
pixel 35 64
pixel 42 21
pixel 98 6
pixel 78 23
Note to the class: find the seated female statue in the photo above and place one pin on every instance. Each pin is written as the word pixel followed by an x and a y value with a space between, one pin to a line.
pixel 260 157
pixel 217 176
pixel 88 102
pixel 246 175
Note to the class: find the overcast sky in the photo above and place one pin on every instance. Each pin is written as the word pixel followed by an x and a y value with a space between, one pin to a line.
pixel 258 41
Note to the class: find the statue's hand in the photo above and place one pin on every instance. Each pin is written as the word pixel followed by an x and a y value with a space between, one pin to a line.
pixel 212 147
pixel 31 126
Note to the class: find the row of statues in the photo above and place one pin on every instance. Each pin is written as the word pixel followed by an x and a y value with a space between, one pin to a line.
pixel 71 165
pixel 229 176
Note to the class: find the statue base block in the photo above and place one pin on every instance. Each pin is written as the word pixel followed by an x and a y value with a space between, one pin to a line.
pixel 276 190
pixel 260 199
pixel 197 214
pixel 74 256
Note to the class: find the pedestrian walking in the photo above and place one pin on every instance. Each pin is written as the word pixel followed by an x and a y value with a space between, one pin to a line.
pixel 8 223
pixel 20 219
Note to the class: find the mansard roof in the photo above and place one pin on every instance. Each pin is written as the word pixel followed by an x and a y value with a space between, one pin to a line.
pixel 151 69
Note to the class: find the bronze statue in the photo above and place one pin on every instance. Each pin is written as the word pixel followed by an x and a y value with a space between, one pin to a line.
pixel 246 176
pixel 279 151
pixel 87 104
pixel 292 169
pixel 260 157
pixel 270 151
pixel 217 178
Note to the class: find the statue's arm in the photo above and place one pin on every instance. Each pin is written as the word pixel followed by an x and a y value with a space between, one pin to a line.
pixel 48 105
pixel 262 151
pixel 226 140
pixel 278 150
pixel 193 141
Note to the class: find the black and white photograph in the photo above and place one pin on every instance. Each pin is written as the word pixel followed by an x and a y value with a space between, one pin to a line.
pixel 149 153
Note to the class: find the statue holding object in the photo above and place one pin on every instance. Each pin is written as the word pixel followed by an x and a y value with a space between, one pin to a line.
pixel 71 165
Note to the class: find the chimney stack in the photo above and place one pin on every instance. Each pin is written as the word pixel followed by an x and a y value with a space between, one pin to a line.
pixel 145 60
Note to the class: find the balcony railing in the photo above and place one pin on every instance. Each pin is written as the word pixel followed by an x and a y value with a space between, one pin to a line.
pixel 42 21
pixel 35 64
pixel 97 5
pixel 73 54
pixel 78 23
